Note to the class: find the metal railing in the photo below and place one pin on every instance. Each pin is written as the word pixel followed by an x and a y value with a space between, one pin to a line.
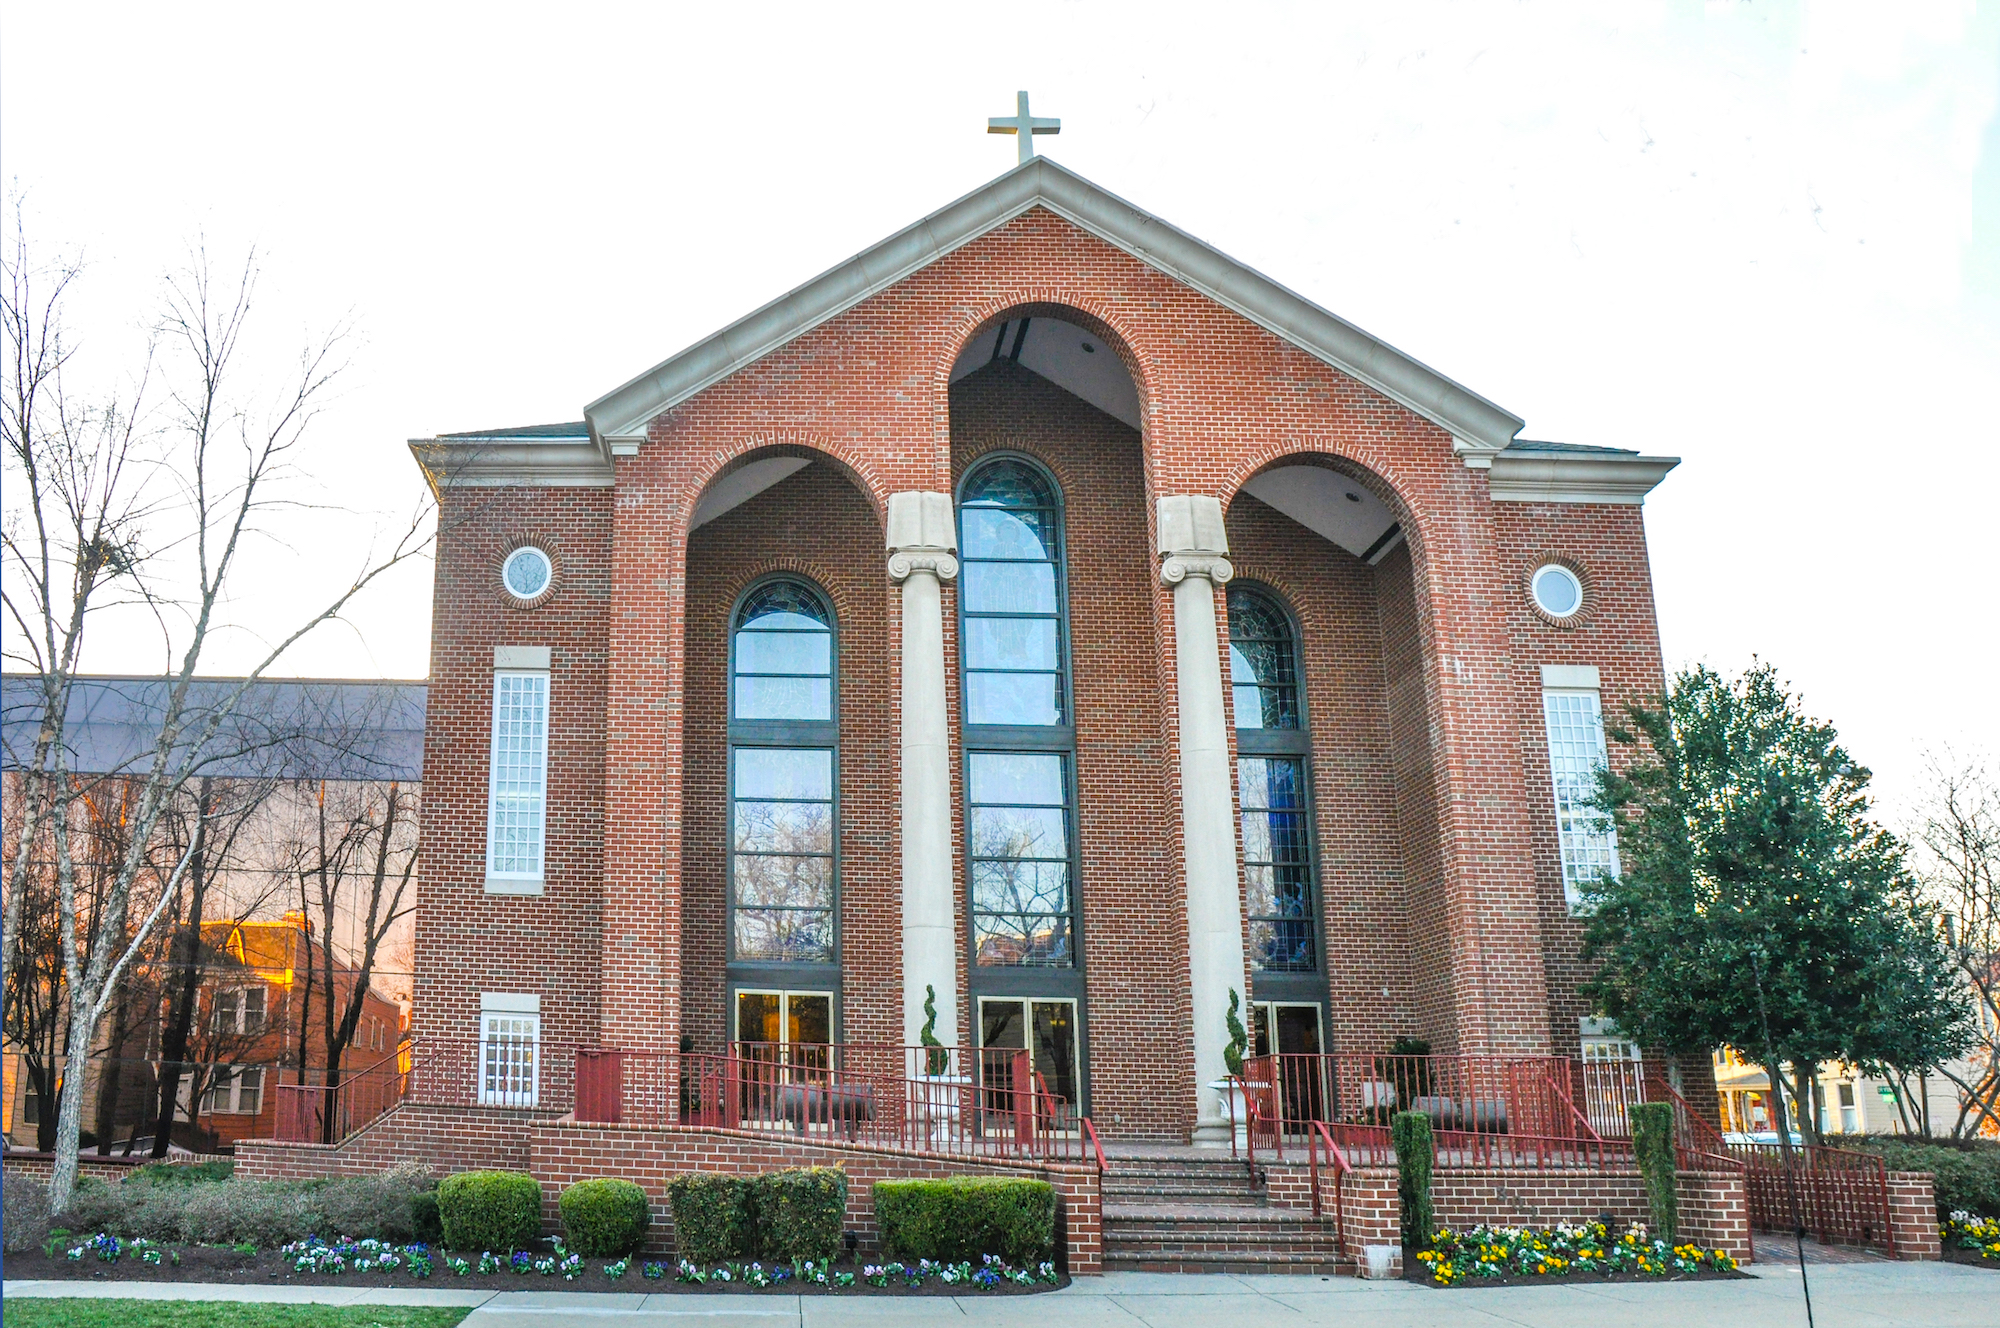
pixel 1320 1136
pixel 986 1102
pixel 1485 1111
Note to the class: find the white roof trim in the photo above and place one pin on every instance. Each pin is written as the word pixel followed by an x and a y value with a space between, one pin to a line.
pixel 1520 476
pixel 557 463
pixel 619 418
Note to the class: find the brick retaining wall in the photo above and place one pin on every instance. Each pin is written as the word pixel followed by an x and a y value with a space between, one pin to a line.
pixel 565 1152
pixel 446 1139
pixel 1714 1210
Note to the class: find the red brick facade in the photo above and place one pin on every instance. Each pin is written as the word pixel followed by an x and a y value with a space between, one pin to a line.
pixel 1440 887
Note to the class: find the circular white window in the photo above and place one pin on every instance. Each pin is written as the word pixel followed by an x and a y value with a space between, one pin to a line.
pixel 1557 591
pixel 526 572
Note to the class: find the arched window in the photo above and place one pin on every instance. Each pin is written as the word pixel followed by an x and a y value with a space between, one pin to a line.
pixel 782 739
pixel 1010 545
pixel 1020 764
pixel 1273 784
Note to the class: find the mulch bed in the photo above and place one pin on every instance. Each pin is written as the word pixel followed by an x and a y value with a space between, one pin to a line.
pixel 200 1263
pixel 1970 1258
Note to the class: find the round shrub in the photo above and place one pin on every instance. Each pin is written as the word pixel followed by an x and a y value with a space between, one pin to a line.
pixel 604 1218
pixel 490 1210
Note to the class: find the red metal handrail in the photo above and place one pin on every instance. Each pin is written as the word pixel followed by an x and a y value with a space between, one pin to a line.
pixel 1320 1134
pixel 1097 1148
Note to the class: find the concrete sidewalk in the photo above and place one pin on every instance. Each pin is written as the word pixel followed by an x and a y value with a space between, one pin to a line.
pixel 1865 1295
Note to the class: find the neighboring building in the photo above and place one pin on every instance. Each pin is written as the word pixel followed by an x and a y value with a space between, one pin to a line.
pixel 1847 1101
pixel 1046 612
pixel 247 1025
pixel 262 1003
pixel 283 733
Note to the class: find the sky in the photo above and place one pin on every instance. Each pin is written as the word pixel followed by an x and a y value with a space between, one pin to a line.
pixel 1762 237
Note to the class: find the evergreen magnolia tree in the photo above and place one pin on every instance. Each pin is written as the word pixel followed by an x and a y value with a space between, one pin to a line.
pixel 1755 894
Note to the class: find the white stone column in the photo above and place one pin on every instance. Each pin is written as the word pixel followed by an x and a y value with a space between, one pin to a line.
pixel 922 543
pixel 1193 546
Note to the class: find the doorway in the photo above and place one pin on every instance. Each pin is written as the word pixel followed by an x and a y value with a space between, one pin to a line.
pixel 1046 1029
pixel 791 1028
pixel 1290 1031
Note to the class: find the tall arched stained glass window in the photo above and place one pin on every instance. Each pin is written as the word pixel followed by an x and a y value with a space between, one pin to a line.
pixel 1020 773
pixel 1273 784
pixel 782 769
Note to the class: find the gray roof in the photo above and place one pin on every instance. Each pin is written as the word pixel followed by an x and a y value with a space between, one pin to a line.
pixel 293 728
pixel 578 429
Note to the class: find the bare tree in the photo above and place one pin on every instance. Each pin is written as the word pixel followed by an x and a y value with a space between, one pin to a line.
pixel 1958 854
pixel 356 863
pixel 125 504
pixel 204 824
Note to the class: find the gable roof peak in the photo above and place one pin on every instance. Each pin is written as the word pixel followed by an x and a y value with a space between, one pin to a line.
pixel 619 418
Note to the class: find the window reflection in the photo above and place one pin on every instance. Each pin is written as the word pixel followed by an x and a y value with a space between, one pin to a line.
pixel 1010 596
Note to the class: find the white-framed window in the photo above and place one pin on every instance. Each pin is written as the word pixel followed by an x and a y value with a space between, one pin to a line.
pixel 1575 724
pixel 1557 590
pixel 240 1010
pixel 526 572
pixel 510 1036
pixel 236 1090
pixel 518 779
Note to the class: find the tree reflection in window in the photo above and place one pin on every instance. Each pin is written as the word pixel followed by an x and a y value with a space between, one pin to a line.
pixel 1019 838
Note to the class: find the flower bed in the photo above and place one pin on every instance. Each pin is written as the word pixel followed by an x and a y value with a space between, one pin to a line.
pixel 315 1261
pixel 1588 1251
pixel 1970 1239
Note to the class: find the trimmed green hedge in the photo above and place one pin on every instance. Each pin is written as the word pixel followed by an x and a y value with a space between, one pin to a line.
pixel 796 1213
pixel 713 1220
pixel 964 1217
pixel 1965 1173
pixel 800 1212
pixel 499 1211
pixel 604 1218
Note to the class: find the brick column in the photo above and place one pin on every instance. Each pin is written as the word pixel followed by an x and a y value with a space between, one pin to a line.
pixel 921 546
pixel 1192 548
pixel 1913 1215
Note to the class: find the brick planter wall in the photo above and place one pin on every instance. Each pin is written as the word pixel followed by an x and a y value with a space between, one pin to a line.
pixel 1913 1215
pixel 1714 1211
pixel 565 1152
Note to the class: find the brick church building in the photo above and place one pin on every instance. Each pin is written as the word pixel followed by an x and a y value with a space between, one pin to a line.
pixel 1047 618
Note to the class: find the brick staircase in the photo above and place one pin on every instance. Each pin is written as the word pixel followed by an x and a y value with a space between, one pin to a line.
pixel 1188 1210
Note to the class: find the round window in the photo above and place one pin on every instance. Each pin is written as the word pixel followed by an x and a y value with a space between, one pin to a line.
pixel 1557 591
pixel 526 572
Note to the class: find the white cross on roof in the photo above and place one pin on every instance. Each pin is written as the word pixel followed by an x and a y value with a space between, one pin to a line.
pixel 1023 126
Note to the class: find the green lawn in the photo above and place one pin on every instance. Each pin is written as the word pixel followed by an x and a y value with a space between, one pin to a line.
pixel 27 1312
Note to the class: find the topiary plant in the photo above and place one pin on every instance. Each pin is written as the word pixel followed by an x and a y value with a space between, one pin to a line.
pixel 1239 1040
pixel 490 1210
pixel 604 1218
pixel 936 1059
pixel 1416 1156
pixel 1653 1143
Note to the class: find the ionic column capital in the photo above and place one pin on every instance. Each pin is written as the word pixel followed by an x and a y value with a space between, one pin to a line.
pixel 922 535
pixel 1180 566
pixel 922 558
pixel 1192 539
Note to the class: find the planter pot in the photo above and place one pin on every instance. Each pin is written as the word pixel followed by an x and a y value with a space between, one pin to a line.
pixel 1379 1262
pixel 1234 1109
pixel 936 1102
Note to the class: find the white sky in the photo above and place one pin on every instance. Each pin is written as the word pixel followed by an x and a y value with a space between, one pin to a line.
pixel 1763 237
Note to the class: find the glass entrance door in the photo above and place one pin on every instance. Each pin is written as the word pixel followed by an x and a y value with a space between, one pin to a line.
pixel 1291 1031
pixel 792 1028
pixel 1046 1029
